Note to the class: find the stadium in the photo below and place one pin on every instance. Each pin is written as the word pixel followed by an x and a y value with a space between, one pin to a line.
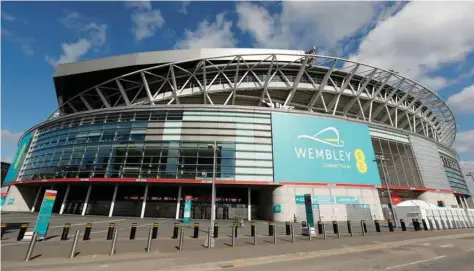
pixel 134 134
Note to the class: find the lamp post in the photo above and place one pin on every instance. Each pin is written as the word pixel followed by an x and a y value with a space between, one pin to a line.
pixel 213 196
pixel 381 159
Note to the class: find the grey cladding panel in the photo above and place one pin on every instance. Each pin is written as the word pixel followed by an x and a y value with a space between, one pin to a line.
pixel 429 163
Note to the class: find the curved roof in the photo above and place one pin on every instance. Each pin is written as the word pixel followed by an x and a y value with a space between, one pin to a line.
pixel 256 77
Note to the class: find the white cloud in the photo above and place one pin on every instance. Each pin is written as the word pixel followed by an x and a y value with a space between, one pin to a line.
pixel 25 44
pixel 8 137
pixel 304 24
pixel 463 101
pixel 217 34
pixel 146 20
pixel 419 39
pixel 8 17
pixel 94 37
pixel 464 142
pixel 184 7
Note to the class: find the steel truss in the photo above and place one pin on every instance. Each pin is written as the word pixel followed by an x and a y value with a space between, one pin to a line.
pixel 307 82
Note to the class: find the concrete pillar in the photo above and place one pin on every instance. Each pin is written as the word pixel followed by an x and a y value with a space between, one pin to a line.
pixel 249 209
pixel 63 204
pixel 36 199
pixel 178 202
pixel 84 207
pixel 112 205
pixel 144 201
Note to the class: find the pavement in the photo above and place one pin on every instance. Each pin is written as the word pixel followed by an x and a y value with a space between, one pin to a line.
pixel 386 248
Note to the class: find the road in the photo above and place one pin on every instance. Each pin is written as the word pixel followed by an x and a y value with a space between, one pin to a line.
pixel 456 254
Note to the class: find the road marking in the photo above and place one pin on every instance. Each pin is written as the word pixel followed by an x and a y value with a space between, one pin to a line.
pixel 92 223
pixel 417 262
pixel 471 249
pixel 447 245
pixel 426 244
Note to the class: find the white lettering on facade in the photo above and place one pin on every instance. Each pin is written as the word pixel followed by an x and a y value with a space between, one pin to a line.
pixel 322 154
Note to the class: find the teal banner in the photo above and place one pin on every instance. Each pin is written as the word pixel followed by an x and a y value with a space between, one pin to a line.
pixel 187 209
pixel 18 159
pixel 314 149
pixel 300 200
pixel 44 215
pixel 309 211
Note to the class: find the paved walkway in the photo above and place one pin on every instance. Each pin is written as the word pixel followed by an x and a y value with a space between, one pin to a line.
pixel 205 259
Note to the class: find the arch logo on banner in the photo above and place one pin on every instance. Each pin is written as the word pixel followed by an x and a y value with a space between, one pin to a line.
pixel 314 149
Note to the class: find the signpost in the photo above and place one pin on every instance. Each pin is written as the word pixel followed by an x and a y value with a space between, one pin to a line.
pixel 187 209
pixel 44 215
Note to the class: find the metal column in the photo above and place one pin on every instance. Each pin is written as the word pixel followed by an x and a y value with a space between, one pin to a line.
pixel 144 201
pixel 84 208
pixel 112 205
pixel 178 202
pixel 249 210
pixel 36 199
pixel 63 204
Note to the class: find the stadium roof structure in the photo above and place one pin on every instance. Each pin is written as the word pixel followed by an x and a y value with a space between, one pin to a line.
pixel 295 80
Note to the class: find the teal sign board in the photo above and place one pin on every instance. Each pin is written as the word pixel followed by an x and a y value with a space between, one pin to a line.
pixel 11 201
pixel 311 149
pixel 187 209
pixel 309 210
pixel 18 160
pixel 44 216
pixel 277 208
pixel 300 199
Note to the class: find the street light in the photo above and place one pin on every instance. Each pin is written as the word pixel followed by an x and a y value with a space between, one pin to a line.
pixel 214 148
pixel 381 159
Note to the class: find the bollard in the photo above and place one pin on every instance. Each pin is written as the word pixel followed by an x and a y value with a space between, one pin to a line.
pixel 209 237
pixel 274 234
pixel 181 238
pixel 364 226
pixel 254 236
pixel 31 247
pixel 362 222
pixel 4 228
pixel 292 228
pixel 270 228
pixel 287 228
pixel 154 234
pixel 233 235
pixel 349 227
pixel 377 225
pixel 390 225
pixel 413 220
pixel 320 227
pixel 110 231
pixel 324 230
pixel 22 231
pixel 74 245
pixel 335 228
pixel 425 226
pixel 236 226
pixel 216 230
pixel 87 232
pixel 175 231
pixel 148 244
pixel 114 242
pixel 196 231
pixel 252 229
pixel 402 223
pixel 64 235
pixel 133 231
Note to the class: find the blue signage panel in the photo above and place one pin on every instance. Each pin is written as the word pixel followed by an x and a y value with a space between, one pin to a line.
pixel 346 200
pixel 312 149
pixel 187 209
pixel 328 200
pixel 277 208
pixel 18 160
pixel 309 210
pixel 44 215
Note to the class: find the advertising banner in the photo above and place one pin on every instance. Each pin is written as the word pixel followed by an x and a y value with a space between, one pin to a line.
pixel 313 149
pixel 44 215
pixel 187 209
pixel 18 159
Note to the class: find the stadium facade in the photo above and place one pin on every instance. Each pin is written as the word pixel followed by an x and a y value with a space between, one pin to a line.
pixel 134 134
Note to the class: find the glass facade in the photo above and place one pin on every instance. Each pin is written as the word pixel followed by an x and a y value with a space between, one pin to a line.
pixel 399 168
pixel 159 144
pixel 454 174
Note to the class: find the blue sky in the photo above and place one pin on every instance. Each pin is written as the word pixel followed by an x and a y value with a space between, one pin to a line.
pixel 432 43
